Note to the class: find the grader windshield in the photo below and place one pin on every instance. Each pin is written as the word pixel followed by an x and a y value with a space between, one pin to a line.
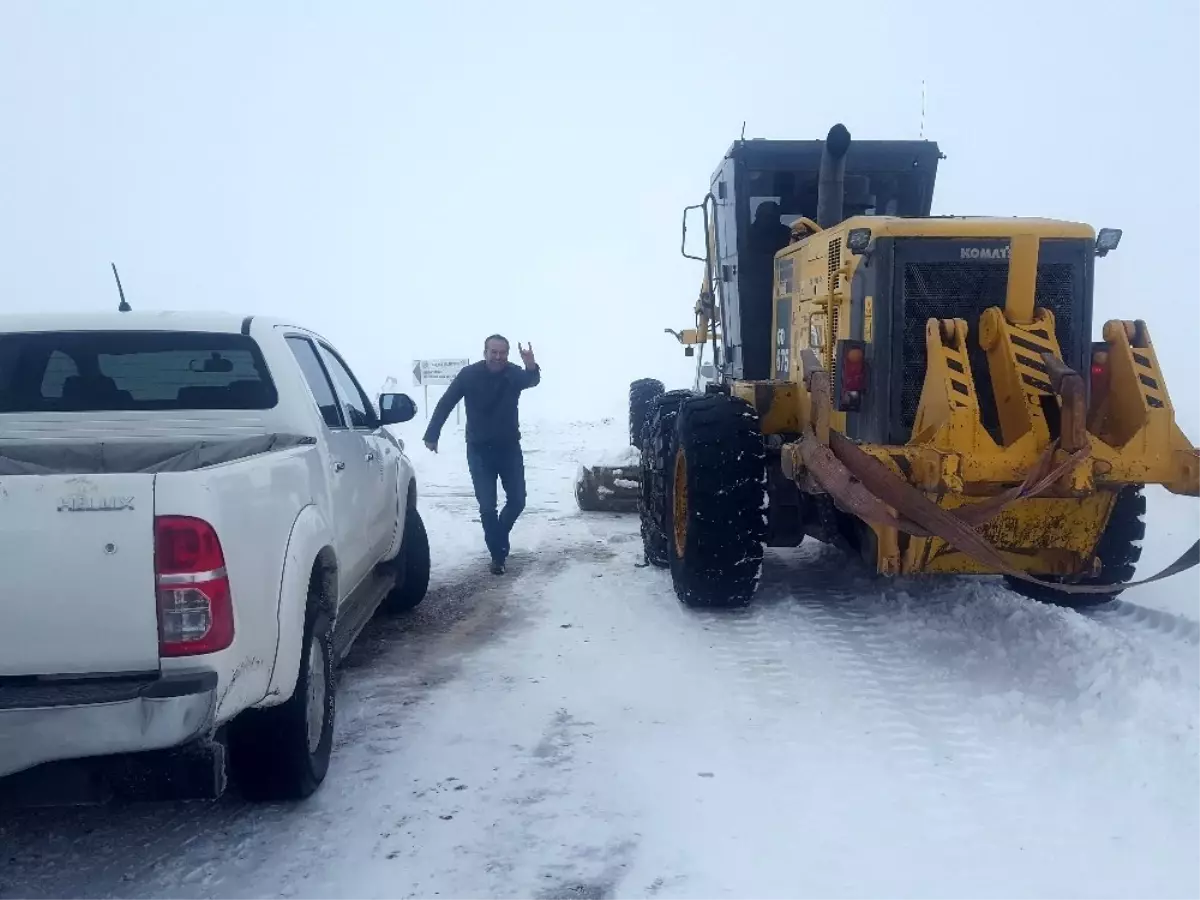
pixel 761 188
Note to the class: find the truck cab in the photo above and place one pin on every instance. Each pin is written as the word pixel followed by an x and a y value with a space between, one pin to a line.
pixel 761 189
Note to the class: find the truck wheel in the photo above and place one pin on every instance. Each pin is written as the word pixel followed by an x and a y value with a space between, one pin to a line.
pixel 715 497
pixel 412 567
pixel 642 394
pixel 1117 550
pixel 657 446
pixel 282 752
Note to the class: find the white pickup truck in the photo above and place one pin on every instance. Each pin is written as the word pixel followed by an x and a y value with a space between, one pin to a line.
pixel 198 515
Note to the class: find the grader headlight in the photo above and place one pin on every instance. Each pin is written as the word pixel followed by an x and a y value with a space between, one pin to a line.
pixel 858 240
pixel 1107 240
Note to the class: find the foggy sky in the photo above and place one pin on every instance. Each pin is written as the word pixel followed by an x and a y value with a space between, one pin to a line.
pixel 406 178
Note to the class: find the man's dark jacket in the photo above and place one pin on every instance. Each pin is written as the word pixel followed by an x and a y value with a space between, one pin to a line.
pixel 491 401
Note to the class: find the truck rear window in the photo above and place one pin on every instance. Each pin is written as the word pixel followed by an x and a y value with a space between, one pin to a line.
pixel 101 371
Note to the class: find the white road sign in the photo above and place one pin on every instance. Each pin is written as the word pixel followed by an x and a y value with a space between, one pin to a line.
pixel 436 371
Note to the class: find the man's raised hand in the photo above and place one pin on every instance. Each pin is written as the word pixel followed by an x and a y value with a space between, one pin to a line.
pixel 527 355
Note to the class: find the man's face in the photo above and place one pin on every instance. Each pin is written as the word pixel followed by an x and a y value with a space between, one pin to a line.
pixel 495 353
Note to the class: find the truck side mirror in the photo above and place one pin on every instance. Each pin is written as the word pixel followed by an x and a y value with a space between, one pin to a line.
pixel 396 408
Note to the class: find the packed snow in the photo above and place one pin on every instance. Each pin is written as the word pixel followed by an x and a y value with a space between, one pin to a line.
pixel 626 456
pixel 570 730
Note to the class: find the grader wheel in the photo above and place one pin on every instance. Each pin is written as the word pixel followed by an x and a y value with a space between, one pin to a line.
pixel 1117 550
pixel 642 394
pixel 716 495
pixel 658 447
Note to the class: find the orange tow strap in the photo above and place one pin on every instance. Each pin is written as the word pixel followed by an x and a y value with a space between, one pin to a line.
pixel 865 487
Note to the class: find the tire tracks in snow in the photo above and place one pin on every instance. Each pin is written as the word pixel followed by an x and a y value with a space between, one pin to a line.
pixel 965 689
pixel 918 720
pixel 993 754
pixel 815 655
pixel 1131 616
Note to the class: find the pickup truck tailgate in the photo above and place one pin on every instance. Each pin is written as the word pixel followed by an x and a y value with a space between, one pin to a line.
pixel 78 575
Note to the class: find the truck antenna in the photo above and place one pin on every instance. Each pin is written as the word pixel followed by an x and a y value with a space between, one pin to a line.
pixel 124 307
pixel 743 130
pixel 922 109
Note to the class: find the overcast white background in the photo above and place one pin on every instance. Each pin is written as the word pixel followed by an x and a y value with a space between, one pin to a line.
pixel 409 177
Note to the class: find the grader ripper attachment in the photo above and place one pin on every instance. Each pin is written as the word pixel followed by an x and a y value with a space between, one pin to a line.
pixel 921 391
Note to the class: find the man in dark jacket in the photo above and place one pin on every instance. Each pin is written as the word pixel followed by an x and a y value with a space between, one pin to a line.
pixel 491 389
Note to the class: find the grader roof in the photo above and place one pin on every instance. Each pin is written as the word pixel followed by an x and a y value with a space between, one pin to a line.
pixel 908 168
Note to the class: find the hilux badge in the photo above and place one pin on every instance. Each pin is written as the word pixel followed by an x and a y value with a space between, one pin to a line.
pixel 99 504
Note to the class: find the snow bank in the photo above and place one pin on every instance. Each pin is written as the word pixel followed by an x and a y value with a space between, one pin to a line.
pixel 625 457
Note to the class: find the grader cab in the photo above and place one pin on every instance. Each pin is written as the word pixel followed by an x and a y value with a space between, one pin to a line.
pixel 921 391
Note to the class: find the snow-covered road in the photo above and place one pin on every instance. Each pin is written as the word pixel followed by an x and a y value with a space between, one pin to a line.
pixel 570 730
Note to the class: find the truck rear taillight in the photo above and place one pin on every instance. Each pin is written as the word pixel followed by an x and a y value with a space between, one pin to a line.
pixel 195 608
pixel 850 380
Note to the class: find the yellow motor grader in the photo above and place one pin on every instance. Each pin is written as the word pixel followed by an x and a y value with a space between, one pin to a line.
pixel 922 391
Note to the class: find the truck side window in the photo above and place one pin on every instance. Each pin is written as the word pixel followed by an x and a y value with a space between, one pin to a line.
pixel 359 410
pixel 318 381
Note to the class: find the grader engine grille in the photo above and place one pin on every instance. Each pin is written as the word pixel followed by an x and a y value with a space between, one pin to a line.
pixel 949 290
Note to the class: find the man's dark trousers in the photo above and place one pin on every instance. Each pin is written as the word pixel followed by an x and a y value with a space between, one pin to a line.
pixel 487 462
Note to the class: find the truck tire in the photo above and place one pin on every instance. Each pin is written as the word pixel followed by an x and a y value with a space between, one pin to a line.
pixel 642 394
pixel 282 752
pixel 1117 550
pixel 658 443
pixel 412 568
pixel 716 493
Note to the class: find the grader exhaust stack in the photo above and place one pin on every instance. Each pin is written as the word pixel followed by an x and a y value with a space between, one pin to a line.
pixel 831 182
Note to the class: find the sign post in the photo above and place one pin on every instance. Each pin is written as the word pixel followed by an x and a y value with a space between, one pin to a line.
pixel 437 371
